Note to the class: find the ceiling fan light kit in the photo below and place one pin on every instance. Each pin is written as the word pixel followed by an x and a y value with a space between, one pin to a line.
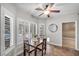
pixel 46 12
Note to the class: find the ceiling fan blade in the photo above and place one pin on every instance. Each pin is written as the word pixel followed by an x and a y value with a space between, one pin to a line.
pixel 46 7
pixel 55 11
pixel 39 9
pixel 49 5
pixel 41 14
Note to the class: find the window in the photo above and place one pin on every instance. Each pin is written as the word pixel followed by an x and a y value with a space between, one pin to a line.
pixel 33 29
pixel 20 33
pixel 42 30
pixel 20 28
pixel 8 32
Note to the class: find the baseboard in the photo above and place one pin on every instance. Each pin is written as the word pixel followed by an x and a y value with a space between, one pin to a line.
pixel 53 44
pixel 19 53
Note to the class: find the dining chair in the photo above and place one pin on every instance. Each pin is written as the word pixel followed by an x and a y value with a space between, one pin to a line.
pixel 42 47
pixel 27 48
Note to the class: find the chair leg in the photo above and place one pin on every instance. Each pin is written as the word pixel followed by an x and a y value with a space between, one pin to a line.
pixel 35 52
pixel 24 53
pixel 45 51
pixel 42 52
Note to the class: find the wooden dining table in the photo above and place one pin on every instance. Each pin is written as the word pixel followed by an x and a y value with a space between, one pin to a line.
pixel 35 44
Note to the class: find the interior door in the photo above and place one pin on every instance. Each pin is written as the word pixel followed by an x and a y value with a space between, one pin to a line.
pixel 68 35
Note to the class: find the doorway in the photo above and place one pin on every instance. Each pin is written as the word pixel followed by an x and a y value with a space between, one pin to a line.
pixel 68 35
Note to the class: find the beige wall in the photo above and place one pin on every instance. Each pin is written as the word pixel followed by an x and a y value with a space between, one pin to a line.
pixel 6 9
pixel 0 29
pixel 18 15
pixel 69 13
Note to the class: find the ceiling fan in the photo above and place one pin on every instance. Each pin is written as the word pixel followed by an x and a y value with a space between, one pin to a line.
pixel 47 9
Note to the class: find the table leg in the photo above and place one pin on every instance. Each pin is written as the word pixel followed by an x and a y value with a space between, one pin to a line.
pixel 35 52
pixel 24 52
pixel 42 52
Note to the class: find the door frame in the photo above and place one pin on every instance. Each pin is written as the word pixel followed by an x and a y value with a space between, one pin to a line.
pixel 75 32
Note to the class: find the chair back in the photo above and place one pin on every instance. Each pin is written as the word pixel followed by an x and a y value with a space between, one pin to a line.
pixel 44 43
pixel 26 46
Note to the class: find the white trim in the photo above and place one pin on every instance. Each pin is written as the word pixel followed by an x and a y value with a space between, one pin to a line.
pixel 54 44
pixel 9 49
pixel 39 28
pixel 76 35
pixel 6 12
pixel 19 46
pixel 11 27
pixel 61 35
pixel 19 53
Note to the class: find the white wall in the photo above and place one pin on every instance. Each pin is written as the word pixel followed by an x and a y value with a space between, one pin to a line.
pixel 56 38
pixel 77 33
pixel 18 16
pixel 68 13
pixel 23 17
pixel 0 29
pixel 40 22
pixel 7 9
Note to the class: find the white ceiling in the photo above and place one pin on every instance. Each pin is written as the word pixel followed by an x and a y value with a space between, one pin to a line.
pixel 64 8
pixel 28 7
